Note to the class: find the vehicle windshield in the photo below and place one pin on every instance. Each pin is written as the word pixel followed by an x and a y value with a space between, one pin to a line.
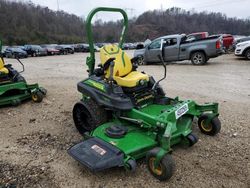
pixel 155 44
pixel 36 47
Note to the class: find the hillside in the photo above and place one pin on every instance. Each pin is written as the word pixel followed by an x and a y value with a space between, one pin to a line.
pixel 176 20
pixel 35 24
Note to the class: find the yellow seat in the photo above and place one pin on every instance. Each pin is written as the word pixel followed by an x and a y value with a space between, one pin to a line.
pixel 3 70
pixel 122 74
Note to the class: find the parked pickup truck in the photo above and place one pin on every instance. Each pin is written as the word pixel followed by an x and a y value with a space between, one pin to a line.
pixel 243 49
pixel 178 48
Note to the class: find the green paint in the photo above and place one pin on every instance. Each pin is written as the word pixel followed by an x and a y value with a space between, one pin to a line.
pixel 134 144
pixel 158 127
pixel 95 84
pixel 123 60
pixel 23 92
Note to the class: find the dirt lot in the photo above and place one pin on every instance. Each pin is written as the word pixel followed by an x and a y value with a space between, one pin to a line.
pixel 34 137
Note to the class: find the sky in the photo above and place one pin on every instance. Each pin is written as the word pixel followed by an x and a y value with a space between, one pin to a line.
pixel 232 8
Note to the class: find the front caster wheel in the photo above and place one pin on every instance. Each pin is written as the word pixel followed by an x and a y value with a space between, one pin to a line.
pixel 37 96
pixel 131 165
pixel 192 139
pixel 165 169
pixel 209 128
pixel 43 90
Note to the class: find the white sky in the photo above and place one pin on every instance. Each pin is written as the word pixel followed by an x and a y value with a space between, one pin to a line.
pixel 232 8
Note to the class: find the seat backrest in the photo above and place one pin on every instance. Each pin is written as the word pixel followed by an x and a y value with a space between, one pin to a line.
pixel 1 63
pixel 123 65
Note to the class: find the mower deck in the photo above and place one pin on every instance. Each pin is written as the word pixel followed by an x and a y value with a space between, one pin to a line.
pixel 96 154
pixel 15 92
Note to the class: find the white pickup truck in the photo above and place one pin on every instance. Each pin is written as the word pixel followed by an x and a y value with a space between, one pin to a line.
pixel 243 49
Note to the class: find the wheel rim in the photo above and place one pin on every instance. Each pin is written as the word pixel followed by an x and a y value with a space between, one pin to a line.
pixel 206 127
pixel 158 171
pixel 198 59
pixel 248 55
pixel 34 97
pixel 140 61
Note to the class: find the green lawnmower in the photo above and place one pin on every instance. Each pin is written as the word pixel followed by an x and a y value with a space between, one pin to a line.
pixel 13 87
pixel 124 114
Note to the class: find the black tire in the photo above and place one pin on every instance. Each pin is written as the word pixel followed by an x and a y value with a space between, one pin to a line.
pixel 131 165
pixel 192 139
pixel 198 58
pixel 15 56
pixel 16 102
pixel 88 115
pixel 37 96
pixel 140 61
pixel 212 128
pixel 166 167
pixel 247 54
pixel 43 90
pixel 33 54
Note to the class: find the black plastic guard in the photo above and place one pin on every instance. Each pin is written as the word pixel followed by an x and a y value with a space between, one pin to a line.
pixel 96 154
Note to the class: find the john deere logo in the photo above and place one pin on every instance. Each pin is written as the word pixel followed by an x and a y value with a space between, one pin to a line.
pixel 95 84
pixel 181 111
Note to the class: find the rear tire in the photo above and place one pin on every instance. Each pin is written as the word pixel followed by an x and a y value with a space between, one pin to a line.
pixel 198 58
pixel 247 54
pixel 88 115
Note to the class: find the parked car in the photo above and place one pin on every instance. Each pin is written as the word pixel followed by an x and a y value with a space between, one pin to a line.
pixel 196 36
pixel 81 47
pixel 61 49
pixel 35 50
pixel 68 49
pixel 243 49
pixel 97 49
pixel 15 52
pixel 228 41
pixel 239 40
pixel 177 48
pixel 99 44
pixel 50 49
pixel 3 50
pixel 128 46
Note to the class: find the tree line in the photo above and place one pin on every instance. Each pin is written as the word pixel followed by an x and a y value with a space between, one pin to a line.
pixel 22 23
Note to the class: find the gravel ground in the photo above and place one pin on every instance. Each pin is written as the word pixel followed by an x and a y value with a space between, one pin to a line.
pixel 34 137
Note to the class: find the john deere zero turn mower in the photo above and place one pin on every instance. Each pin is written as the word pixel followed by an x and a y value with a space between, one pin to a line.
pixel 124 114
pixel 13 87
